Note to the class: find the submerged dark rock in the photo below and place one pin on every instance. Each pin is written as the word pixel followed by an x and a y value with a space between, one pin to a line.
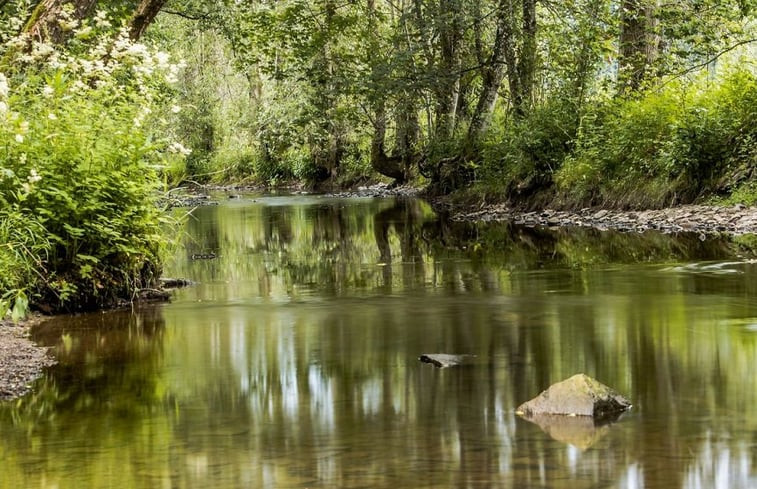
pixel 203 256
pixel 175 283
pixel 442 360
pixel 579 395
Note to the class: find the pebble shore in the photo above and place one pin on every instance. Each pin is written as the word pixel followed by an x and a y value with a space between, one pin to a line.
pixel 736 220
pixel 21 361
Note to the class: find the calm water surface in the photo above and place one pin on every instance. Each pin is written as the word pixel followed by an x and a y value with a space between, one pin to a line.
pixel 293 364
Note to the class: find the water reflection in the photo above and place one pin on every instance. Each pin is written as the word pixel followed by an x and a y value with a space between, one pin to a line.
pixel 580 431
pixel 294 362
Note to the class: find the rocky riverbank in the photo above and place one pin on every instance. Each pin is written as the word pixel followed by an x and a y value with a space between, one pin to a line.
pixel 705 219
pixel 379 190
pixel 738 219
pixel 21 361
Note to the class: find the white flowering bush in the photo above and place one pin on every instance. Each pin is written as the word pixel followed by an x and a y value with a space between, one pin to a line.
pixel 84 139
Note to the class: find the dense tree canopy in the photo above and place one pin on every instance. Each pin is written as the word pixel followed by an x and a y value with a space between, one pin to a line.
pixel 415 84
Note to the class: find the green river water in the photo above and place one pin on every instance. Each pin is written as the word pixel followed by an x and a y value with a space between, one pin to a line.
pixel 294 362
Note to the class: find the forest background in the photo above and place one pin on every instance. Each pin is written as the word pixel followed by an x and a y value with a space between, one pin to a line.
pixel 572 103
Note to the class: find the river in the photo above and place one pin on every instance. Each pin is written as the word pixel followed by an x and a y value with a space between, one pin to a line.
pixel 293 363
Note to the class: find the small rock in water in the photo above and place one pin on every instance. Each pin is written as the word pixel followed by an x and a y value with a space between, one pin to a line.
pixel 175 283
pixel 442 360
pixel 203 256
pixel 579 395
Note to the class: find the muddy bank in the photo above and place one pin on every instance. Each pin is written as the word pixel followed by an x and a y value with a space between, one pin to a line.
pixel 21 361
pixel 737 219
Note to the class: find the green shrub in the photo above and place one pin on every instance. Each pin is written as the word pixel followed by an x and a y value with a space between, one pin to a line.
pixel 23 249
pixel 717 134
pixel 675 145
pixel 233 164
pixel 83 149
pixel 521 156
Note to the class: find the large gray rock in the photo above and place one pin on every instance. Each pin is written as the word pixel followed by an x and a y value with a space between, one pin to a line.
pixel 579 395
pixel 442 360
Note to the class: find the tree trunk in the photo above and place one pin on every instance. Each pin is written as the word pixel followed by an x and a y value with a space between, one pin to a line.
pixel 638 44
pixel 522 100
pixel 143 17
pixel 380 162
pixel 448 87
pixel 587 57
pixel 44 23
pixel 408 130
pixel 492 73
pixel 390 166
pixel 518 64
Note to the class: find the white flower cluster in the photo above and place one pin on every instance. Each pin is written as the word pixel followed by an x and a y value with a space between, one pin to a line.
pixel 179 149
pixel 19 127
pixel 101 20
pixel 33 178
pixel 114 68
pixel 143 61
pixel 107 55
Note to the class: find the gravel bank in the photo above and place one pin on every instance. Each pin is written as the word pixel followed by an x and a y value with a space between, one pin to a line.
pixel 21 361
pixel 736 220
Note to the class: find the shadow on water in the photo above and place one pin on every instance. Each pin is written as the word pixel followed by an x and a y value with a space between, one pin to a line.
pixel 294 362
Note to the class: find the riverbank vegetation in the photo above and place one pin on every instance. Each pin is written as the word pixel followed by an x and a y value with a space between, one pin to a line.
pixel 593 102
pixel 631 103
pixel 84 136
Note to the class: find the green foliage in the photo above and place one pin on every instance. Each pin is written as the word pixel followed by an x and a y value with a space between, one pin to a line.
pixel 83 146
pixel 305 89
pixel 669 146
pixel 521 156
pixel 23 246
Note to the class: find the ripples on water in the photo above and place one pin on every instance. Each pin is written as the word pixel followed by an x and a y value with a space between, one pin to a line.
pixel 294 362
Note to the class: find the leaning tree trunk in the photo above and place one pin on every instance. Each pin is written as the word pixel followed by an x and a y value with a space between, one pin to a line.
pixel 143 16
pixel 492 74
pixel 518 64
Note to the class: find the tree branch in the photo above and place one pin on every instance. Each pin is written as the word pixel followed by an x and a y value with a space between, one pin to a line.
pixel 713 58
pixel 185 15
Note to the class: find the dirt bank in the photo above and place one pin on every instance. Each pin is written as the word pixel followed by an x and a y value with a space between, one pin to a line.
pixel 21 361
pixel 738 219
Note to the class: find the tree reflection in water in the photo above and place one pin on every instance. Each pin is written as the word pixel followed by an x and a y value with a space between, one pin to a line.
pixel 294 362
